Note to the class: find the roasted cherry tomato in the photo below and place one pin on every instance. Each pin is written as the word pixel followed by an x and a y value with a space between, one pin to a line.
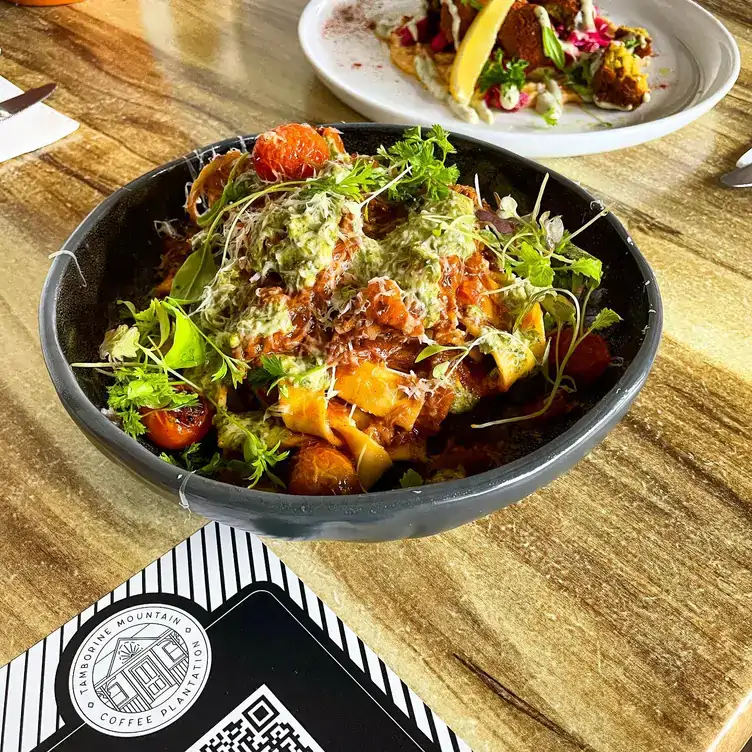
pixel 589 360
pixel 559 407
pixel 321 470
pixel 179 428
pixel 289 152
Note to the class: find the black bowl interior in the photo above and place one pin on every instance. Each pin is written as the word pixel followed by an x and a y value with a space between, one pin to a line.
pixel 117 249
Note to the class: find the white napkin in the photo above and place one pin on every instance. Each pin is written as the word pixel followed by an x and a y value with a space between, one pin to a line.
pixel 31 129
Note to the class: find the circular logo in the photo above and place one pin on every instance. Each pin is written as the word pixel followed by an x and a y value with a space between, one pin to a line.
pixel 140 670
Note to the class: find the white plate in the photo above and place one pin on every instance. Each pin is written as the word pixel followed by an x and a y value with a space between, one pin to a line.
pixel 696 63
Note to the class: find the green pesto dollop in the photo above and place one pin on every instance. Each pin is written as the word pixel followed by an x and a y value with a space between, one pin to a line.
pixel 464 400
pixel 309 372
pixel 296 238
pixel 229 294
pixel 258 321
pixel 411 253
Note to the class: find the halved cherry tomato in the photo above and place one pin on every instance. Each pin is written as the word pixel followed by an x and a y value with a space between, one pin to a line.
pixel 289 152
pixel 589 360
pixel 179 428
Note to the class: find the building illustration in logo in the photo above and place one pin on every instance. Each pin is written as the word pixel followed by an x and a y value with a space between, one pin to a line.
pixel 140 669
pixel 143 669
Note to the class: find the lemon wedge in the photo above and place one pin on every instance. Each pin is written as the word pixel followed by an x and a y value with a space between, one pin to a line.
pixel 475 48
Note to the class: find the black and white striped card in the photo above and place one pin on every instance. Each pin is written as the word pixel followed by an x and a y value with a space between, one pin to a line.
pixel 215 647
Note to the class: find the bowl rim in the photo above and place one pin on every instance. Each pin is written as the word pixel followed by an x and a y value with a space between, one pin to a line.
pixel 339 508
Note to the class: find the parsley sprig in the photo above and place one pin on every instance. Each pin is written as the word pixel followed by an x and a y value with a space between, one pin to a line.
pixel 364 176
pixel 136 388
pixel 505 75
pixel 423 160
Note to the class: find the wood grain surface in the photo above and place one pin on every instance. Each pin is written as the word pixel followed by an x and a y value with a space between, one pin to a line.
pixel 611 611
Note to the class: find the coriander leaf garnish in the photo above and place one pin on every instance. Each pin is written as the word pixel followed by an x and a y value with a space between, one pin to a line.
pixel 588 266
pixel 195 460
pixel 507 74
pixel 363 177
pixel 262 459
pixel 120 343
pixel 411 479
pixel 605 318
pixel 534 266
pixel 271 369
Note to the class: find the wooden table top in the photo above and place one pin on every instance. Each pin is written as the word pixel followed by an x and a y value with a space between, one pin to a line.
pixel 612 610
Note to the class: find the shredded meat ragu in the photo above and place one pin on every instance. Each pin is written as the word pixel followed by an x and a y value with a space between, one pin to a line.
pixel 434 411
pixel 327 279
pixel 381 303
pixel 382 217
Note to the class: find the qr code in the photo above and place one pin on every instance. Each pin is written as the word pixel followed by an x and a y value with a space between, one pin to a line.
pixel 261 723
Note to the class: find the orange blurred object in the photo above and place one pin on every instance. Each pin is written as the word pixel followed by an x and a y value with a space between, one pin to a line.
pixel 43 2
pixel 289 152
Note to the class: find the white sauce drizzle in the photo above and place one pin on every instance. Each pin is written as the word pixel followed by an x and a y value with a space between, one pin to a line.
pixel 510 98
pixel 456 21
pixel 412 26
pixel 588 15
pixel 463 111
pixel 550 100
pixel 555 90
pixel 426 72
pixel 484 112
pixel 570 49
pixel 611 106
pixel 543 18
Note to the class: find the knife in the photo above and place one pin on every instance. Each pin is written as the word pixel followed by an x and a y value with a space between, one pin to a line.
pixel 741 177
pixel 13 106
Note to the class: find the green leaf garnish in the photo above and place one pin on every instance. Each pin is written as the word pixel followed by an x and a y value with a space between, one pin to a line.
pixel 411 478
pixel 534 266
pixel 605 318
pixel 552 47
pixel 588 266
pixel 507 74
pixel 427 352
pixel 271 370
pixel 120 343
pixel 188 350
pixel 197 271
pixel 363 177
pixel 424 160
pixel 137 388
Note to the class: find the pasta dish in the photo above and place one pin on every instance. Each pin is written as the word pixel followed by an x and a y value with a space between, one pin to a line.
pixel 320 318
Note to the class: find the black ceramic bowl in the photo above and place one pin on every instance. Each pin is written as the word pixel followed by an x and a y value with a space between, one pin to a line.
pixel 117 249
